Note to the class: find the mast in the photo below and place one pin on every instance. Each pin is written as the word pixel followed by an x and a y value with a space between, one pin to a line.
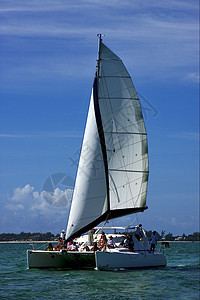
pixel 98 57
pixel 99 122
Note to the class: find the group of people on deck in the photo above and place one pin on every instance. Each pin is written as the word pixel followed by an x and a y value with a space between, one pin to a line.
pixel 61 244
pixel 128 242
pixel 103 242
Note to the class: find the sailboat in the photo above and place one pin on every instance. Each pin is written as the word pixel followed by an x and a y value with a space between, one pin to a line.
pixel 113 171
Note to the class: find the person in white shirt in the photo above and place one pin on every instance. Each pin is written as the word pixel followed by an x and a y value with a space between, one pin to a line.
pixel 62 235
pixel 110 242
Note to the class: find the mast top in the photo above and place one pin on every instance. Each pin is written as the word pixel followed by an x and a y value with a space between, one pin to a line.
pixel 100 36
pixel 98 59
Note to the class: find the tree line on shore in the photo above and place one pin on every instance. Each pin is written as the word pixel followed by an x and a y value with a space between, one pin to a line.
pixel 48 236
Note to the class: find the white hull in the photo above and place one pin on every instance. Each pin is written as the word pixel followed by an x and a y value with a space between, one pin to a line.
pixel 60 259
pixel 128 260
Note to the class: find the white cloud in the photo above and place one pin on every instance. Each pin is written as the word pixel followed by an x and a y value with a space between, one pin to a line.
pixel 14 207
pixel 193 76
pixel 155 39
pixel 43 134
pixel 24 194
pixel 32 199
pixel 58 198
pixel 193 136
pixel 28 209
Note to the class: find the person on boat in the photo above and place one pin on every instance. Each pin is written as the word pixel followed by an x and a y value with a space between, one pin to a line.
pixel 69 243
pixel 64 244
pixel 130 243
pixel 62 235
pixel 110 242
pixel 138 231
pixel 73 247
pixel 49 247
pixel 95 247
pixel 58 246
pixel 59 241
pixel 103 241
pixel 125 242
pixel 153 241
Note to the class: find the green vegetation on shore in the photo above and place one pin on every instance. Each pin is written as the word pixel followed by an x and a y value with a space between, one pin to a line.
pixel 37 236
pixel 27 236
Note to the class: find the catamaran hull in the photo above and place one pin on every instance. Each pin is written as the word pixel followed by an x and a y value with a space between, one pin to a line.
pixel 128 260
pixel 60 259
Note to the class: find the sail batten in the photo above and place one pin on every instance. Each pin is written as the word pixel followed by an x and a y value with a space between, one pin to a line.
pixel 114 76
pixel 122 98
pixel 134 171
pixel 114 154
pixel 114 132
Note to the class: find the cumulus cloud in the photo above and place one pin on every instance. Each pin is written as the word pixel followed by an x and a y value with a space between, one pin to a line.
pixel 30 210
pixel 59 197
pixel 29 197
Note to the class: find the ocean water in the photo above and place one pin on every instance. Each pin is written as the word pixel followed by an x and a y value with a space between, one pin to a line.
pixel 179 280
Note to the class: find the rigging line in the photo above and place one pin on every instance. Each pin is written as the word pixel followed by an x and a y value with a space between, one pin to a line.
pixel 131 106
pixel 130 182
pixel 104 224
pixel 131 199
pixel 134 124
pixel 133 221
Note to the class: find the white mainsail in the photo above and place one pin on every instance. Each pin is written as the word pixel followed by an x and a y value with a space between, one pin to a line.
pixel 113 168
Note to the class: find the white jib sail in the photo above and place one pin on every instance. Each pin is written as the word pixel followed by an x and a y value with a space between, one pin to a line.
pixel 89 198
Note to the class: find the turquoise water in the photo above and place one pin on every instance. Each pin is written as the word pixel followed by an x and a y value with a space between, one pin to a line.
pixel 179 280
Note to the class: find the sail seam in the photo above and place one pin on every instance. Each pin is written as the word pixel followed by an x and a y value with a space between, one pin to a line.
pixel 130 171
pixel 111 59
pixel 127 145
pixel 118 132
pixel 142 159
pixel 130 182
pixel 112 76
pixel 118 98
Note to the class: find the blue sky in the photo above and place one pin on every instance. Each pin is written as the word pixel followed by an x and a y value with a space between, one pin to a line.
pixel 47 63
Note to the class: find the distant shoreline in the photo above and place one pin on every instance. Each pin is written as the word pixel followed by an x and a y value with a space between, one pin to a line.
pixel 35 242
pixel 25 242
